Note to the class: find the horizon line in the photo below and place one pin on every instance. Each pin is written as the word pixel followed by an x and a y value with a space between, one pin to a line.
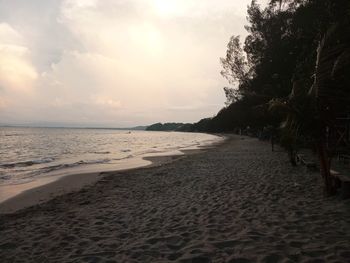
pixel 67 127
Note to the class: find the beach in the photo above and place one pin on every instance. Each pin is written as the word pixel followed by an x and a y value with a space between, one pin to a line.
pixel 39 160
pixel 237 202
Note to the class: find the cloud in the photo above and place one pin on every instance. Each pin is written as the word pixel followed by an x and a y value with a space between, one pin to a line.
pixel 38 23
pixel 16 70
pixel 114 62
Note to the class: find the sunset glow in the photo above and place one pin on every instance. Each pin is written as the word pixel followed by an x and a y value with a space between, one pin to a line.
pixel 167 7
pixel 114 63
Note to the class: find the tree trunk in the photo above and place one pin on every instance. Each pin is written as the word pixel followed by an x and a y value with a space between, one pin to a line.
pixel 293 157
pixel 325 167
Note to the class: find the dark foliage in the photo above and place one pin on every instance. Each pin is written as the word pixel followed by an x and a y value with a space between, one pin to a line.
pixel 280 50
pixel 170 126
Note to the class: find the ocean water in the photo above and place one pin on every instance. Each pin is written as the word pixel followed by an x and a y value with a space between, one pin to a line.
pixel 27 154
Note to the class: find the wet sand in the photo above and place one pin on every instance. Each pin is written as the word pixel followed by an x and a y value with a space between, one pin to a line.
pixel 40 191
pixel 239 202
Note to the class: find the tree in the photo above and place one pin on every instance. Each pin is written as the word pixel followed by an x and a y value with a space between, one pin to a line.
pixel 329 95
pixel 300 123
pixel 331 91
pixel 235 65
pixel 277 64
pixel 235 69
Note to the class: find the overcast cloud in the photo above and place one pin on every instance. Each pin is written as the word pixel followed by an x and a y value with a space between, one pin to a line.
pixel 115 63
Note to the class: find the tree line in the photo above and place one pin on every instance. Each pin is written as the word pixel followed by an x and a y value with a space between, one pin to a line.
pixel 291 74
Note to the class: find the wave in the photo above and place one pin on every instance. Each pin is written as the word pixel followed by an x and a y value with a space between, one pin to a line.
pixel 123 158
pixel 92 148
pixel 106 152
pixel 26 163
pixel 93 161
pixel 4 177
pixel 71 165
pixel 13 134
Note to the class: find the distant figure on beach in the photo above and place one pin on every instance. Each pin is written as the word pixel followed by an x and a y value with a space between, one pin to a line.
pixel 272 141
pixel 269 133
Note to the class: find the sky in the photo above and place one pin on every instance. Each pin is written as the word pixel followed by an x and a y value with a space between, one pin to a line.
pixel 114 63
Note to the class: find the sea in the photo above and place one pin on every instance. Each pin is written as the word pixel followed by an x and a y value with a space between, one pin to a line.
pixel 28 154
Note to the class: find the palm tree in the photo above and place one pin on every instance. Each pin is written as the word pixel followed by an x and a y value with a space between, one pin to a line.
pixel 300 123
pixel 312 113
pixel 331 89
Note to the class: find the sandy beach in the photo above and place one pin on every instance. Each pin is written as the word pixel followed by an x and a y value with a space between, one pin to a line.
pixel 46 188
pixel 238 202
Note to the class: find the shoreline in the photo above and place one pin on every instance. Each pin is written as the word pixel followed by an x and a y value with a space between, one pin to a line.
pixel 47 188
pixel 239 202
